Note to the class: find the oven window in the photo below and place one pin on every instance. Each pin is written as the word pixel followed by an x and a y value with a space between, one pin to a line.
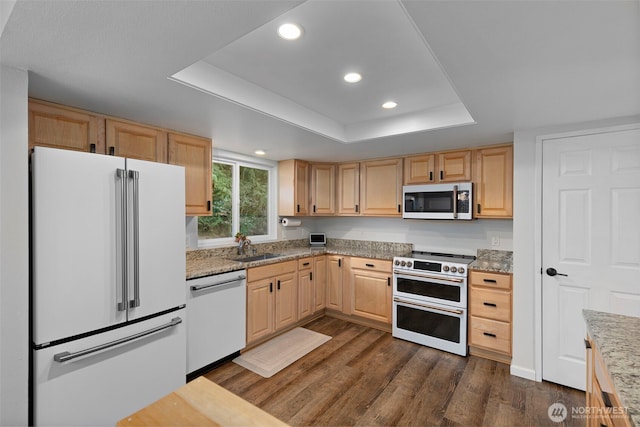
pixel 437 201
pixel 428 289
pixel 423 322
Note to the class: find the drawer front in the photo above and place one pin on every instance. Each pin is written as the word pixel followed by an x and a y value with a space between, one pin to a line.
pixel 305 263
pixel 371 264
pixel 491 304
pixel 493 280
pixel 271 270
pixel 490 334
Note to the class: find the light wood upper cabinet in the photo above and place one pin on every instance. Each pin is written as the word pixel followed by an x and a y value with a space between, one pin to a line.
pixel 493 176
pixel 52 125
pixel 323 189
pixel 454 166
pixel 381 187
pixel 420 169
pixel 293 192
pixel 133 140
pixel 194 153
pixel 348 189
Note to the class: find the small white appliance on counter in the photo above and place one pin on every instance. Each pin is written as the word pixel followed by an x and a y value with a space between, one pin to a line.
pixel 216 307
pixel 107 268
pixel 438 201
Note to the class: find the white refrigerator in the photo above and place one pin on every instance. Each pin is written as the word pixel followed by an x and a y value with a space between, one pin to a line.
pixel 107 275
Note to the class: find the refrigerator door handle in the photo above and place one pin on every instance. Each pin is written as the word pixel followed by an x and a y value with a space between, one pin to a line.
pixel 135 176
pixel 122 244
pixel 65 356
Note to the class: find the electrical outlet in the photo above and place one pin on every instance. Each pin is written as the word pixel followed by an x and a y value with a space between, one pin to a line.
pixel 495 241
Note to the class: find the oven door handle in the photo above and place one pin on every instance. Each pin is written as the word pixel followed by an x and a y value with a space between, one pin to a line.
pixel 424 276
pixel 430 307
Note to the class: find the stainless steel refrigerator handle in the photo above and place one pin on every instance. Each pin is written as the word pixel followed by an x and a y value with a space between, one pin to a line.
pixel 212 285
pixel 135 176
pixel 455 201
pixel 66 356
pixel 121 174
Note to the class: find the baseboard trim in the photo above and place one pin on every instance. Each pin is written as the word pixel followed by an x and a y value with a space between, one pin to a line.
pixel 526 373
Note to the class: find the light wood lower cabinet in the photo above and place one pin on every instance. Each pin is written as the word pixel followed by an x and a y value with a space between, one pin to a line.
pixel 605 408
pixel 371 289
pixel 306 288
pixel 319 282
pixel 334 290
pixel 272 299
pixel 490 315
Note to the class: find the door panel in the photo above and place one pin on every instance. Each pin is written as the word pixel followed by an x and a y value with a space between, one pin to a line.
pixel 77 272
pixel 161 237
pixel 591 236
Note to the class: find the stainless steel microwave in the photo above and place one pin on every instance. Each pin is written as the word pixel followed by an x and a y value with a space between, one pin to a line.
pixel 438 201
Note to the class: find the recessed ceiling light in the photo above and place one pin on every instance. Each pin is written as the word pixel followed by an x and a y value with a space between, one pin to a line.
pixel 289 31
pixel 260 152
pixel 352 77
pixel 389 105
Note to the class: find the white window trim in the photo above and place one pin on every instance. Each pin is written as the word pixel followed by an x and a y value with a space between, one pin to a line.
pixel 271 166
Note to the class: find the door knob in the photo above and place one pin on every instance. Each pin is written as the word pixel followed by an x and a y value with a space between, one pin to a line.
pixel 553 272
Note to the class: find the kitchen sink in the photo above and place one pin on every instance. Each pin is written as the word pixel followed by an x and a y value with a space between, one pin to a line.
pixel 245 258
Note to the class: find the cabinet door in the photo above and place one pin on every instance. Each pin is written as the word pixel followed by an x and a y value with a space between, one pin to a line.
pixel 319 282
pixel 58 127
pixel 334 282
pixel 371 296
pixel 323 189
pixel 194 154
pixel 494 182
pixel 420 169
pixel 454 166
pixel 260 309
pixel 286 300
pixel 348 189
pixel 305 288
pixel 136 141
pixel 381 187
pixel 293 192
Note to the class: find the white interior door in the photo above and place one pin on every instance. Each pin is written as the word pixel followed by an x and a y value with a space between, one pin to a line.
pixel 591 237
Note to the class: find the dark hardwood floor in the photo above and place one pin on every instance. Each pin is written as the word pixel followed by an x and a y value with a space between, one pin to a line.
pixel 363 376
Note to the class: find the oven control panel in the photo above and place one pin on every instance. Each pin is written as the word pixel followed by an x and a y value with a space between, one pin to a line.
pixel 426 266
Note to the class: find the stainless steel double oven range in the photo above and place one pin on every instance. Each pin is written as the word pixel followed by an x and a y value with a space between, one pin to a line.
pixel 430 300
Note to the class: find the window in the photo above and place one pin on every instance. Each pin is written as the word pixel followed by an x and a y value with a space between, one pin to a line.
pixel 243 200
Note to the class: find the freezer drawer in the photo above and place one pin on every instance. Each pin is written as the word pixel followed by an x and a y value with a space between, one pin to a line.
pixel 104 386
pixel 216 307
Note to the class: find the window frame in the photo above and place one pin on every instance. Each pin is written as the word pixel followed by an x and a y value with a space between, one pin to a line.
pixel 237 160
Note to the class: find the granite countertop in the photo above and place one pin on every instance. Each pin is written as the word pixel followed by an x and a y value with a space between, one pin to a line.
pixel 616 339
pixel 201 263
pixel 493 261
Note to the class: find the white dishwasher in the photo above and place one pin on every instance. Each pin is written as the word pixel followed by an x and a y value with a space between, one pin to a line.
pixel 216 318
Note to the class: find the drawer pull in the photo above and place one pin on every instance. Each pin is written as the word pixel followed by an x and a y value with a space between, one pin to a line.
pixel 305 264
pixel 606 399
pixel 370 265
pixel 587 344
pixel 489 334
pixel 490 280
pixel 489 304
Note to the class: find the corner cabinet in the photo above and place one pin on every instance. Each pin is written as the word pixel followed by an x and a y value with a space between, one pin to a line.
pixel 381 187
pixel 194 153
pixel 490 315
pixel 135 141
pixel 293 192
pixel 56 126
pixel 493 176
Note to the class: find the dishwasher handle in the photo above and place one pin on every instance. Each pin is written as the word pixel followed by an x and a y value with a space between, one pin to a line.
pixel 196 288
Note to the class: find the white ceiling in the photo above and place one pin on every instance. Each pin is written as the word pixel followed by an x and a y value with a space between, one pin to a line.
pixel 514 65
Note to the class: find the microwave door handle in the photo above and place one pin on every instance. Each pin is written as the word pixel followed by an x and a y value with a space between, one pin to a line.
pixel 455 201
